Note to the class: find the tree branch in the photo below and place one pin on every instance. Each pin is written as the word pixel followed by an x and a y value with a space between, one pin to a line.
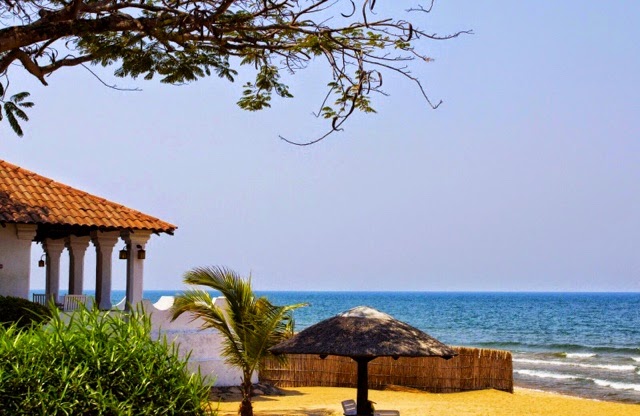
pixel 6 61
pixel 113 87
pixel 66 62
pixel 29 65
pixel 19 36
pixel 184 40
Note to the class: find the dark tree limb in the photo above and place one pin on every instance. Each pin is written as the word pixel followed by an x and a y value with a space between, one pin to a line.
pixel 183 40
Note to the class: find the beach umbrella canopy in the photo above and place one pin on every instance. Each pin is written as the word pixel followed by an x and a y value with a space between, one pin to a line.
pixel 363 334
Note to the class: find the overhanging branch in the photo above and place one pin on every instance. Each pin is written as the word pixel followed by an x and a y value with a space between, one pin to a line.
pixel 66 62
pixel 185 40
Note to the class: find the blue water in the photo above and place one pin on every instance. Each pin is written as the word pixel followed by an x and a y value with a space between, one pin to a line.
pixel 584 344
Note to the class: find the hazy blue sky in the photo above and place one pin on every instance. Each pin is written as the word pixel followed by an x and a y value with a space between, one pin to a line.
pixel 526 178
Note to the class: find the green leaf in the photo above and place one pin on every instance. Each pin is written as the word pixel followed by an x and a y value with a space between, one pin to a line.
pixel 21 114
pixel 19 97
pixel 13 122
pixel 249 325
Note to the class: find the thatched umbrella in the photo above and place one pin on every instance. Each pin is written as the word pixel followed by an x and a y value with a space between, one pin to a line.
pixel 363 334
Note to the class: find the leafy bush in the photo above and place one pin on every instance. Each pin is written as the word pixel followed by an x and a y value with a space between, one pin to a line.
pixel 22 312
pixel 95 363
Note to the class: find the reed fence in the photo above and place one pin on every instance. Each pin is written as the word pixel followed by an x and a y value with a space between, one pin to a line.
pixel 472 369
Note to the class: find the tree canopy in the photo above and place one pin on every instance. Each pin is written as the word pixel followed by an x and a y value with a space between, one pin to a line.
pixel 180 41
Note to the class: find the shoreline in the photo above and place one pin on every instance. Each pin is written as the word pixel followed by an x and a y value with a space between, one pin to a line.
pixel 325 401
pixel 567 394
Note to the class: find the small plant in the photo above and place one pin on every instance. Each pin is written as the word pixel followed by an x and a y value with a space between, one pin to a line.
pixel 22 312
pixel 249 325
pixel 95 363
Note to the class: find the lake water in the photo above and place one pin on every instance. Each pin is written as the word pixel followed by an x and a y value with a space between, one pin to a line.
pixel 584 344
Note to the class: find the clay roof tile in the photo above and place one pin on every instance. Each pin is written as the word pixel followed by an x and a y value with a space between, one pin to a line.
pixel 31 198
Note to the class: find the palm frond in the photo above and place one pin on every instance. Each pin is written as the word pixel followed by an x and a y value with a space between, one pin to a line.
pixel 249 324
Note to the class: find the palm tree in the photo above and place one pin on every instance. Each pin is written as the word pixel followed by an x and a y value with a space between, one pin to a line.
pixel 249 324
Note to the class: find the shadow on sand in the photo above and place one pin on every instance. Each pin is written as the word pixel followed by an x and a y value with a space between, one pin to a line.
pixel 235 399
pixel 285 412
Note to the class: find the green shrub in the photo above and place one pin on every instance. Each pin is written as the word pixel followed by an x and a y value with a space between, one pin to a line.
pixel 22 312
pixel 95 363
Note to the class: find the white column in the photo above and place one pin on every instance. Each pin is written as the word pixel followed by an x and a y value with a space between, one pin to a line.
pixel 104 242
pixel 77 247
pixel 136 241
pixel 15 278
pixel 53 248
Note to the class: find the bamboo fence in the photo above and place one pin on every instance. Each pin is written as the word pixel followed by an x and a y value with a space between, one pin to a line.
pixel 472 369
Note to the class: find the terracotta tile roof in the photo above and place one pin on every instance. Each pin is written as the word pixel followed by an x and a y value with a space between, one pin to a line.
pixel 28 198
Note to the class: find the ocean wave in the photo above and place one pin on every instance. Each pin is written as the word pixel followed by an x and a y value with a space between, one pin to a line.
pixel 573 364
pixel 562 350
pixel 580 355
pixel 546 374
pixel 617 385
pixel 577 349
pixel 636 359
pixel 602 383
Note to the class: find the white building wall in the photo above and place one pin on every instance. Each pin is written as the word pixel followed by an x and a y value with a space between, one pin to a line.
pixel 15 258
pixel 204 345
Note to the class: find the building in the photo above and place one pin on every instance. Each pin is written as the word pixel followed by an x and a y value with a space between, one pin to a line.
pixel 35 209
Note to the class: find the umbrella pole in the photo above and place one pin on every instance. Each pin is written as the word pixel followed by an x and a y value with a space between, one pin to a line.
pixel 362 399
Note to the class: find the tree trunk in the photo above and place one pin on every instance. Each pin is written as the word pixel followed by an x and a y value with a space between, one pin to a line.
pixel 246 408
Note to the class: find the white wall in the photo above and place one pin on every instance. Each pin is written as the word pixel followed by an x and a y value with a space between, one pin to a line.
pixel 204 345
pixel 15 256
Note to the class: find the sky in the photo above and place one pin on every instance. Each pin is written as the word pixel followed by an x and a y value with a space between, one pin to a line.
pixel 527 178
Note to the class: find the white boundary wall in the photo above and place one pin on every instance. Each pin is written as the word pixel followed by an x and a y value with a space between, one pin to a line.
pixel 15 258
pixel 204 345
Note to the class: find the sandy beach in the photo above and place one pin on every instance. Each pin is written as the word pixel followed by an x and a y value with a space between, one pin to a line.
pixel 325 401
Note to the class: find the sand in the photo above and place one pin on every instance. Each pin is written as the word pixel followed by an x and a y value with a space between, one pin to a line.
pixel 325 401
